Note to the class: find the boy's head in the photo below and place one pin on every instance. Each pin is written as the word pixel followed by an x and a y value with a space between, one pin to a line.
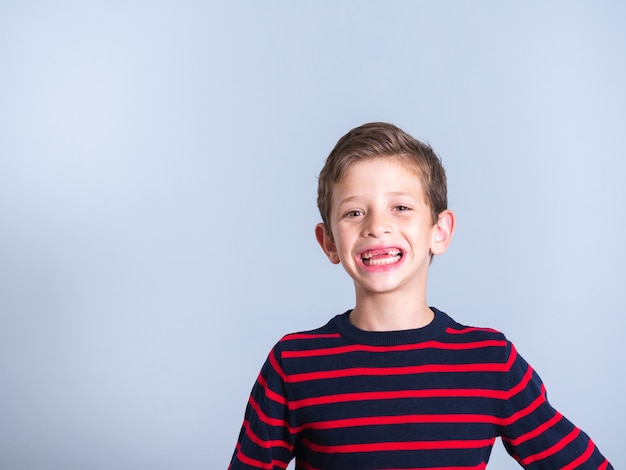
pixel 379 139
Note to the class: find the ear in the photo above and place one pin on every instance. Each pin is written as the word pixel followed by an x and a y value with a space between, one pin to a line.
pixel 442 232
pixel 327 243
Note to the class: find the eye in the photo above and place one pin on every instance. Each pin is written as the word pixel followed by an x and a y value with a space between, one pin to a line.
pixel 353 213
pixel 401 208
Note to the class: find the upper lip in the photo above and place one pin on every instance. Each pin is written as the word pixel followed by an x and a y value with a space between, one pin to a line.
pixel 382 250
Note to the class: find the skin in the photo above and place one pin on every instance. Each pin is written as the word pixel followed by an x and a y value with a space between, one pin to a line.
pixel 379 210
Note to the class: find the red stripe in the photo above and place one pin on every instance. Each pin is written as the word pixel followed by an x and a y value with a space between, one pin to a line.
pixel 582 459
pixel 512 358
pixel 537 431
pixel 269 393
pixel 243 458
pixel 399 394
pixel 536 403
pixel 480 466
pixel 469 329
pixel 257 463
pixel 403 347
pixel 268 419
pixel 398 446
pixel 552 450
pixel 402 419
pixel 522 383
pixel 407 370
pixel 262 443
pixel 295 336
pixel 276 366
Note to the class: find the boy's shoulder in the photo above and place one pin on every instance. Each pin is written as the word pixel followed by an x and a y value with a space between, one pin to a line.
pixel 326 334
pixel 474 332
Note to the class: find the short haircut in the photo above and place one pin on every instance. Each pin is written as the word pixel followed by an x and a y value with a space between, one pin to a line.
pixel 380 139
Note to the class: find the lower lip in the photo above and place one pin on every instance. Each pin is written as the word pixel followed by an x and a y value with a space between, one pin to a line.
pixel 380 268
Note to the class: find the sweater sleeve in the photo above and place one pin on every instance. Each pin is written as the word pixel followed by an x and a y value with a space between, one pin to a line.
pixel 537 435
pixel 266 439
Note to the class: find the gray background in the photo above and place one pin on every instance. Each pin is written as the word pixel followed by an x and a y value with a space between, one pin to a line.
pixel 157 202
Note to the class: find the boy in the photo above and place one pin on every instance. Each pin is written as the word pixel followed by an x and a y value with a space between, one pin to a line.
pixel 393 383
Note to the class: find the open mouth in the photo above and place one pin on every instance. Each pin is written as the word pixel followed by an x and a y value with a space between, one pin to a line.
pixel 381 257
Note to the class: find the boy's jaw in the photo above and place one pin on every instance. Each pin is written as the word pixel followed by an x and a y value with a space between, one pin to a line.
pixel 380 258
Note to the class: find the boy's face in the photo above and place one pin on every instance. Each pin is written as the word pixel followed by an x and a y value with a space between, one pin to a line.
pixel 382 228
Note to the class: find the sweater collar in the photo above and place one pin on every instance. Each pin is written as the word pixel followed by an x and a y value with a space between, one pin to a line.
pixel 392 338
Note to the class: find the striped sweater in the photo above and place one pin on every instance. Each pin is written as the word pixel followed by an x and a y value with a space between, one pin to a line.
pixel 431 398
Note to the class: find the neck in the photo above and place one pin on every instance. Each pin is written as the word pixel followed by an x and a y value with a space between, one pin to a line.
pixel 390 312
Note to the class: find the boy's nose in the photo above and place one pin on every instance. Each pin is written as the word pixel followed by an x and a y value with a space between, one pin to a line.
pixel 376 225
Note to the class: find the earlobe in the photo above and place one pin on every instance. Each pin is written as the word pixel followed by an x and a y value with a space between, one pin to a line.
pixel 327 243
pixel 442 232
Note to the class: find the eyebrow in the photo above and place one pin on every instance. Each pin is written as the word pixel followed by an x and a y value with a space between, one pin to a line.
pixel 359 196
pixel 349 199
pixel 398 193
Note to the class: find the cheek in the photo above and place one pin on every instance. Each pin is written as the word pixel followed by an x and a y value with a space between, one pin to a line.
pixel 344 251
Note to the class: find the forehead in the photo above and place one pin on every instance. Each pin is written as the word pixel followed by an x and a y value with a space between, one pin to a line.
pixel 401 165
pixel 379 175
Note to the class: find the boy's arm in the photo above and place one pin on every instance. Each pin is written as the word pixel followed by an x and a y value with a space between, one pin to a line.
pixel 537 435
pixel 266 439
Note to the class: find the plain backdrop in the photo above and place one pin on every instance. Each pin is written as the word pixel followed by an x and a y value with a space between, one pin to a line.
pixel 158 164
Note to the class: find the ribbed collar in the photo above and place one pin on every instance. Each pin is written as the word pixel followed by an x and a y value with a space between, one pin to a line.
pixel 392 338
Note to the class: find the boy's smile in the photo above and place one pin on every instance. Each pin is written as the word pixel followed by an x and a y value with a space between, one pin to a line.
pixel 382 228
pixel 382 258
